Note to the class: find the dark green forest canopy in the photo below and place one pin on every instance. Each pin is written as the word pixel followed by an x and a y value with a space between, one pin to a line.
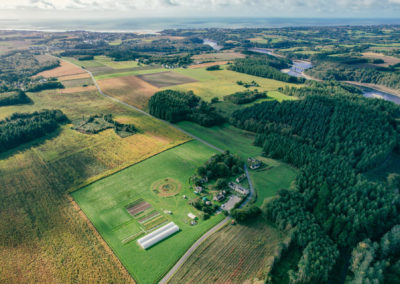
pixel 21 128
pixel 264 67
pixel 175 106
pixel 331 134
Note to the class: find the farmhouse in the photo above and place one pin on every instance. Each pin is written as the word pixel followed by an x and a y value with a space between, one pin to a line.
pixel 220 196
pixel 254 163
pixel 198 189
pixel 240 178
pixel 158 235
pixel 238 188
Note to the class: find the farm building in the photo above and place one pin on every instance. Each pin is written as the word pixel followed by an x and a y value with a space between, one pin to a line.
pixel 238 188
pixel 220 196
pixel 198 189
pixel 240 178
pixel 254 163
pixel 158 235
pixel 192 216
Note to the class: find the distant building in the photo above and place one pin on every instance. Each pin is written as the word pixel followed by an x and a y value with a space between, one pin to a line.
pixel 240 178
pixel 220 196
pixel 198 189
pixel 254 163
pixel 192 216
pixel 238 188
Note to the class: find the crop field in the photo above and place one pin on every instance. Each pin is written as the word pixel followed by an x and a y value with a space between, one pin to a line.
pixel 267 181
pixel 166 79
pixel 65 69
pixel 204 65
pixel 43 237
pixel 133 72
pixel 129 89
pixel 73 90
pixel 218 56
pixel 389 60
pixel 234 254
pixel 74 77
pixel 107 61
pixel 223 83
pixel 105 202
pixel 77 82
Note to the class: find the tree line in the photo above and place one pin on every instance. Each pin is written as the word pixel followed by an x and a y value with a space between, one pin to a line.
pixel 332 138
pixel 21 128
pixel 175 106
pixel 245 97
pixel 14 98
pixel 263 67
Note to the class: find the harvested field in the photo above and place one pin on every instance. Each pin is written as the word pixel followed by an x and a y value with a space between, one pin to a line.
pixel 234 254
pixel 77 83
pixel 389 60
pixel 138 208
pixel 74 77
pixel 208 64
pixel 129 89
pixel 166 79
pixel 218 56
pixel 65 69
pixel 77 90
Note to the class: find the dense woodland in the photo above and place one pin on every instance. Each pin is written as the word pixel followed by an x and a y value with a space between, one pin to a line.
pixel 21 128
pixel 175 106
pixel 332 136
pixel 264 67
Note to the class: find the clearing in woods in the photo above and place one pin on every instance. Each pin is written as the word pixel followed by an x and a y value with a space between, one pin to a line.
pixel 42 235
pixel 129 89
pixel 105 202
pixel 234 254
pixel 166 79
pixel 204 65
pixel 218 56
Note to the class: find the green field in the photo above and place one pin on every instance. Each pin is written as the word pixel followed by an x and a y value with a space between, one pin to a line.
pixel 266 181
pixel 131 73
pixel 221 83
pixel 104 203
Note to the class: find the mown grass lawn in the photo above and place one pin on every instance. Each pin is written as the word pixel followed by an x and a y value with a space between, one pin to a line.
pixel 104 203
pixel 276 175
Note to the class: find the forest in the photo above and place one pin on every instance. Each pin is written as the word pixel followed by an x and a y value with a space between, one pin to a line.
pixel 14 98
pixel 175 106
pixel 21 128
pixel 333 136
pixel 264 67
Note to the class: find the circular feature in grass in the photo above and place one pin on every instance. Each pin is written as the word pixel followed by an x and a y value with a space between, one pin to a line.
pixel 166 187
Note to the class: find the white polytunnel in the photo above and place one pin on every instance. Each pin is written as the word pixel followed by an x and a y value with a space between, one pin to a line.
pixel 158 235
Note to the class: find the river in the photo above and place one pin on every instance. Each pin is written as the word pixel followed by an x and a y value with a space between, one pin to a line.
pixel 212 43
pixel 372 93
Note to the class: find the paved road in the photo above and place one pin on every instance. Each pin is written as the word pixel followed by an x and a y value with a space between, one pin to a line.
pixel 252 192
pixel 181 261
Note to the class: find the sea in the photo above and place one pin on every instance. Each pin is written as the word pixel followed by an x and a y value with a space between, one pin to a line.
pixel 154 25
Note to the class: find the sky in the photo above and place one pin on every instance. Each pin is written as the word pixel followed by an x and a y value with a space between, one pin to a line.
pixel 96 9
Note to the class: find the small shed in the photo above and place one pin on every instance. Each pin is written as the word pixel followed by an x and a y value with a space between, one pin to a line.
pixel 192 216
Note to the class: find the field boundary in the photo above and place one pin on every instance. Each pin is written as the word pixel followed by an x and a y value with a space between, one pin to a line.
pixel 192 249
pixel 118 169
pixel 103 243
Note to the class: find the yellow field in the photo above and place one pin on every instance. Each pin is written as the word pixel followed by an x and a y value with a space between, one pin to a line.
pixel 129 89
pixel 65 69
pixel 218 56
pixel 43 237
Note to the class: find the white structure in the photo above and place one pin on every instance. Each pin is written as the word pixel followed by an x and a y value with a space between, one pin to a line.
pixel 192 216
pixel 158 235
